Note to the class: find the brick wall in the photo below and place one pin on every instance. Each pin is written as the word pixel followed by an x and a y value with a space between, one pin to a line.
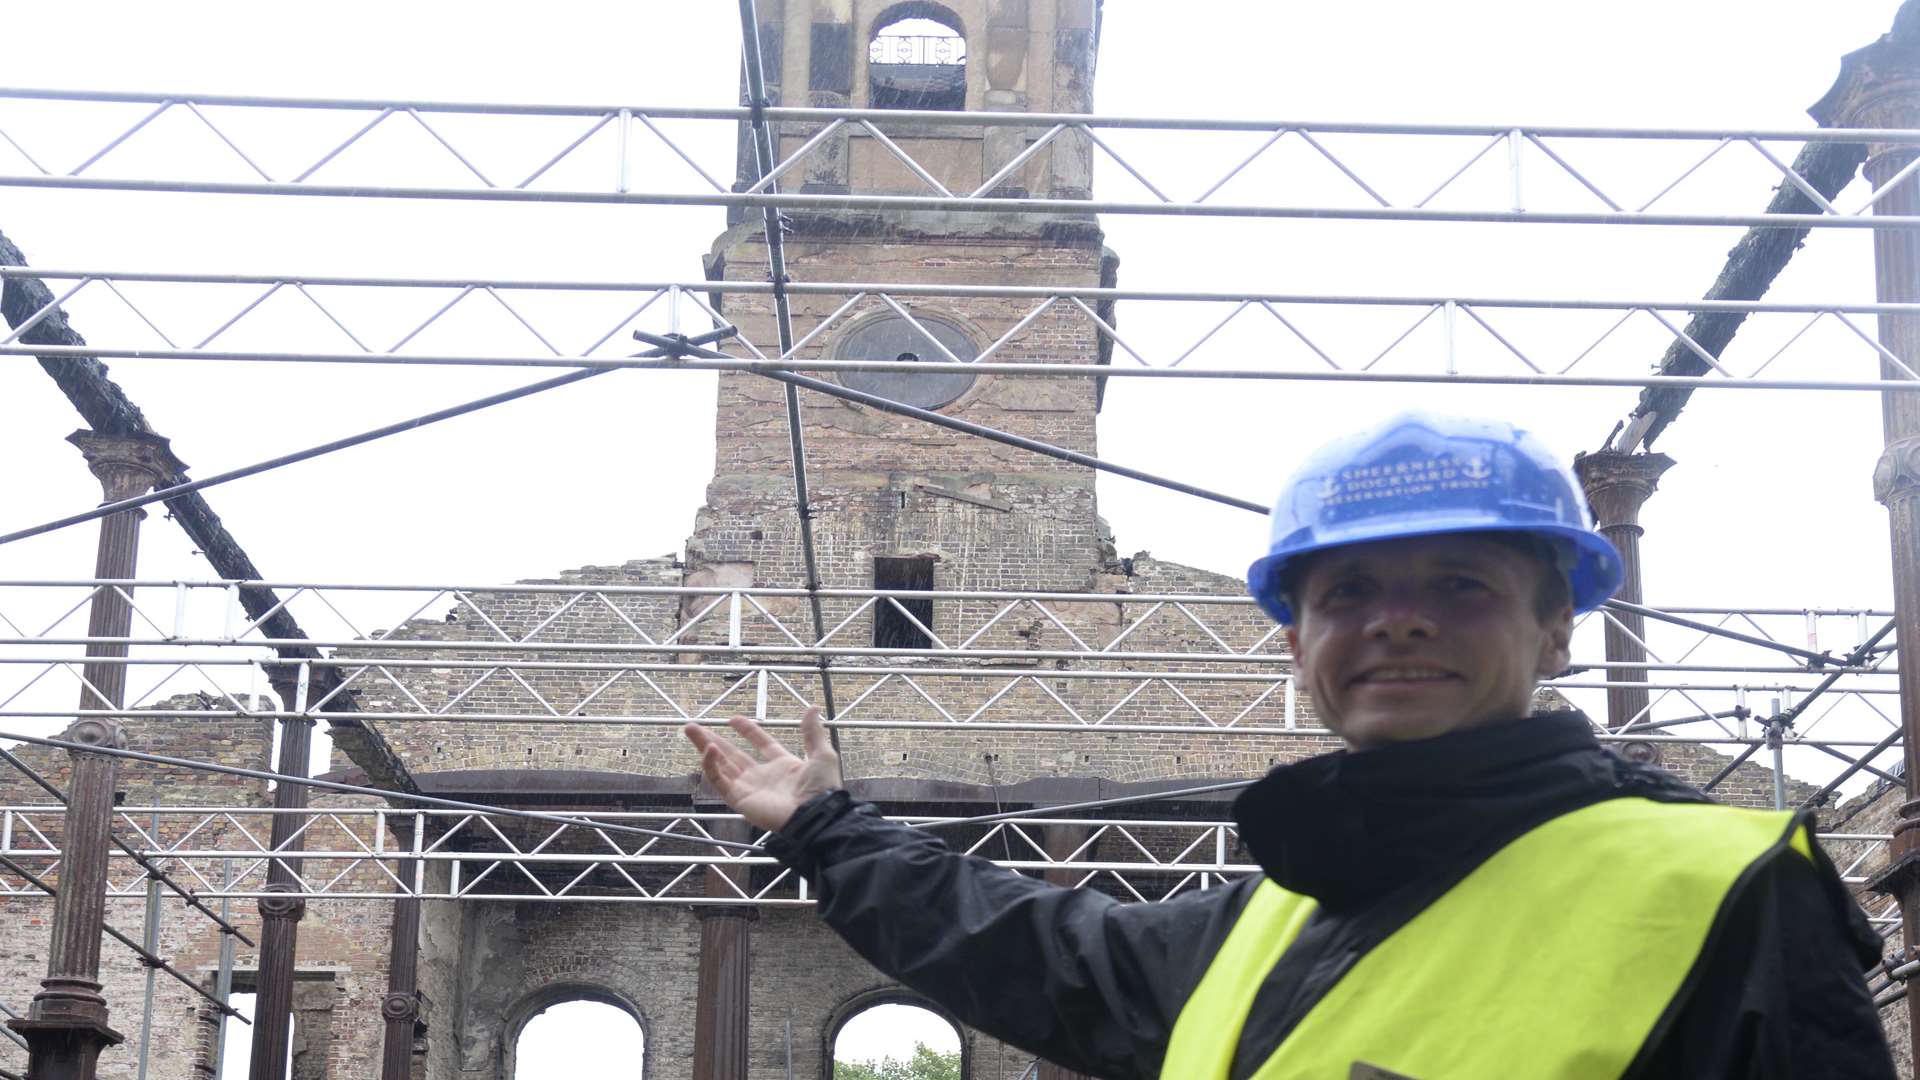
pixel 342 951
pixel 1874 812
pixel 989 516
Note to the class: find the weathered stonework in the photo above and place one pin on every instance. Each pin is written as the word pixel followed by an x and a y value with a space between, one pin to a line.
pixel 342 960
pixel 991 518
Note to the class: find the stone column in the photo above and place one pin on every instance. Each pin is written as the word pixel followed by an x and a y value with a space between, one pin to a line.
pixel 775 20
pixel 833 54
pixel 1070 159
pixel 280 914
pixel 1617 486
pixel 1008 43
pixel 1879 87
pixel 401 1007
pixel 66 1027
pixel 726 970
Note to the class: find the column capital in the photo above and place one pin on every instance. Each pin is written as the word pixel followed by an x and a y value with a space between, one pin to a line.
pixel 1879 85
pixel 127 465
pixel 1618 484
pixel 1896 476
pixel 282 902
pixel 95 731
pixel 400 1005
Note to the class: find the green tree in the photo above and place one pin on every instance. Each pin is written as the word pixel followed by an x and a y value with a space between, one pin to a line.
pixel 925 1064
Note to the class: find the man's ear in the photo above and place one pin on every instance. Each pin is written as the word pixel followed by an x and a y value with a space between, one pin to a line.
pixel 1293 641
pixel 1556 652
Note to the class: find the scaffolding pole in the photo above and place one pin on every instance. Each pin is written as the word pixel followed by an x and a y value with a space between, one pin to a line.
pixel 774 225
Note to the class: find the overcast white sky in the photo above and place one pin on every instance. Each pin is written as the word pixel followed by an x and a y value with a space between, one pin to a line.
pixel 614 469
pixel 1770 504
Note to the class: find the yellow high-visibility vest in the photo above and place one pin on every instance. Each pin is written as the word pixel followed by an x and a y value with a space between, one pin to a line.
pixel 1552 960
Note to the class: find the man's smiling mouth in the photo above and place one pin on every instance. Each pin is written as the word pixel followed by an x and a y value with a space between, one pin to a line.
pixel 1402 675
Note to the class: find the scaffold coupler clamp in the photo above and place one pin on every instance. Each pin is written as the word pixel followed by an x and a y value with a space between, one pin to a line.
pixel 681 346
pixel 1777 728
pixel 1899 964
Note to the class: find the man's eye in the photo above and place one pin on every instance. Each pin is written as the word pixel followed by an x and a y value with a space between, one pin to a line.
pixel 1345 590
pixel 1463 583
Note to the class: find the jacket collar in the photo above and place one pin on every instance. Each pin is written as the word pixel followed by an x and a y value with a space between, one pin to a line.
pixel 1347 828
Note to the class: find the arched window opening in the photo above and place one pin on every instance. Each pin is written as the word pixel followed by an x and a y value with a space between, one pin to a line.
pixel 917 59
pixel 578 1038
pixel 894 1040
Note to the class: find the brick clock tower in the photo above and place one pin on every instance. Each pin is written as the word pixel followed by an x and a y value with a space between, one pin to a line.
pixel 899 503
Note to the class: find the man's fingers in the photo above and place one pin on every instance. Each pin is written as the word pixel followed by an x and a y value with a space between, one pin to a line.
pixel 699 736
pixel 719 772
pixel 724 778
pixel 768 746
pixel 709 748
pixel 707 742
pixel 813 733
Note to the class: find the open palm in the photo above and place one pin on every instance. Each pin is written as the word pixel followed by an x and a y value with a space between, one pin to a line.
pixel 767 791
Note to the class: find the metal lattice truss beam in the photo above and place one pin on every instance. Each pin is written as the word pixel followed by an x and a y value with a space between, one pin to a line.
pixel 1688 640
pixel 658 656
pixel 1210 664
pixel 222 144
pixel 1283 336
pixel 353 853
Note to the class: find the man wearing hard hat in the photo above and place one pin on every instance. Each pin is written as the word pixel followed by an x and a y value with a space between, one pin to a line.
pixel 1466 892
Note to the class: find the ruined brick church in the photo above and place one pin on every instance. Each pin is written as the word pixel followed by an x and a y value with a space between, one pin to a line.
pixel 733 989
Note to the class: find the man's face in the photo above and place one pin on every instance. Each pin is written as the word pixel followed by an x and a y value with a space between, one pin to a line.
pixel 1408 639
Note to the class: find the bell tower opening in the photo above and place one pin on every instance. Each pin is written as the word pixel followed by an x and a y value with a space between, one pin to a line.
pixel 883 484
pixel 917 59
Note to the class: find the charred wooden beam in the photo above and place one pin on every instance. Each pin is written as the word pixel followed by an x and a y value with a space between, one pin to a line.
pixel 109 411
pixel 1750 270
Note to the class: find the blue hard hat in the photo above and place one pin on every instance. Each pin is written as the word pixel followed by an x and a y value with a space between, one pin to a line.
pixel 1424 475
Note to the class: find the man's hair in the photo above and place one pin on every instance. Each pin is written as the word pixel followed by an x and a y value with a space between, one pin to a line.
pixel 1552 593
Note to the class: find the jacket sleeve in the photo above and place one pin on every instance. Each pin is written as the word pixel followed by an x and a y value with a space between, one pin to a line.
pixel 1779 995
pixel 1069 974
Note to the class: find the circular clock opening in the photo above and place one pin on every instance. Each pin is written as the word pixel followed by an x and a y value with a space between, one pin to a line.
pixel 891 338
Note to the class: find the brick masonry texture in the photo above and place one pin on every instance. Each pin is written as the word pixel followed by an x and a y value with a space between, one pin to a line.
pixel 987 516
pixel 486 967
pixel 342 957
pixel 1874 812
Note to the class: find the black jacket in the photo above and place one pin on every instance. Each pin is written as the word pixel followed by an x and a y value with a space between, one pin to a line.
pixel 1094 984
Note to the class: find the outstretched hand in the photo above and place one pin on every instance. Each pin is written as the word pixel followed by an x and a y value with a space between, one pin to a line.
pixel 767 792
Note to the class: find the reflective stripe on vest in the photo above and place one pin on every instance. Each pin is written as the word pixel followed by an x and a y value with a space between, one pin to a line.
pixel 1555 958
